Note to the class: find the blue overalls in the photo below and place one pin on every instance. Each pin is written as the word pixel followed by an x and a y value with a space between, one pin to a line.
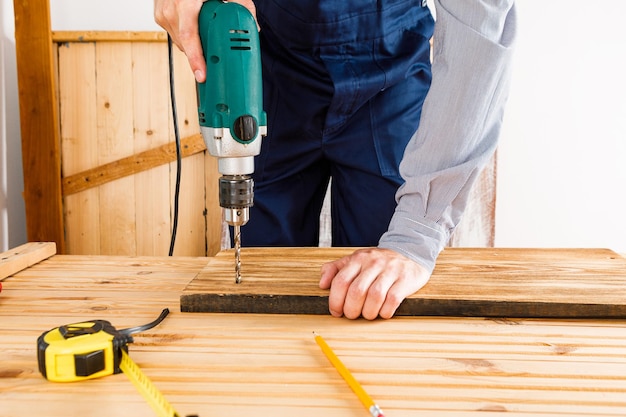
pixel 344 84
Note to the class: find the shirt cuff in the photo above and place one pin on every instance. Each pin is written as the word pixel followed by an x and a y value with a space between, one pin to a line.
pixel 418 239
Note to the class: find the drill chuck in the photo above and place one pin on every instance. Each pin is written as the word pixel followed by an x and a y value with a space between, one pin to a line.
pixel 236 197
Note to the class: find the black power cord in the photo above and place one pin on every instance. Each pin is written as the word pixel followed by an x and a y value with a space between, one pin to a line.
pixel 148 326
pixel 177 139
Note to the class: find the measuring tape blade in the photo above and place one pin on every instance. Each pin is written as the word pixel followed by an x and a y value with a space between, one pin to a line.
pixel 150 392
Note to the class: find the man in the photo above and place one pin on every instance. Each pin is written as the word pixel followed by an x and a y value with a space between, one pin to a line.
pixel 346 84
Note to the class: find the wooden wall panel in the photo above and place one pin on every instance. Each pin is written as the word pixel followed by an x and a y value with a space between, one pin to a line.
pixel 77 93
pixel 115 124
pixel 151 130
pixel 115 106
pixel 191 237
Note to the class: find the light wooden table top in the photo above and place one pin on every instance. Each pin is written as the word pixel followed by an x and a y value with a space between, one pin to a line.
pixel 251 364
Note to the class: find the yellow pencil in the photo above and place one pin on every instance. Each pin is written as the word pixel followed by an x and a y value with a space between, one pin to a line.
pixel 364 397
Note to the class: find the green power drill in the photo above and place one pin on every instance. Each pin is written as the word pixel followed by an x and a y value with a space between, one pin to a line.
pixel 230 106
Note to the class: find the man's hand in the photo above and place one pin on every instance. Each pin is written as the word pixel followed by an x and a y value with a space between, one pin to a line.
pixel 371 283
pixel 180 19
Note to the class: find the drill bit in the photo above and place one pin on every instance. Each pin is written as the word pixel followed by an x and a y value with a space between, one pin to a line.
pixel 237 254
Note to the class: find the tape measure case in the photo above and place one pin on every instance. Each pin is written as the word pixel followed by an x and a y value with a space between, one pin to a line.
pixel 80 351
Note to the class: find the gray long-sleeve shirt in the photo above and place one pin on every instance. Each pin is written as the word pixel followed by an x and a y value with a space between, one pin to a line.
pixel 459 126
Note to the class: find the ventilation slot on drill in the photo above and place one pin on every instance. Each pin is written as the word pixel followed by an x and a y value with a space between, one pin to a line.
pixel 239 42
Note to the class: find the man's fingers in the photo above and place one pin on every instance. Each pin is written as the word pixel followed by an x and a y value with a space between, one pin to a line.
pixel 371 283
pixel 377 295
pixel 165 15
pixel 401 289
pixel 328 272
pixel 366 293
pixel 339 287
pixel 396 294
pixel 180 19
pixel 189 38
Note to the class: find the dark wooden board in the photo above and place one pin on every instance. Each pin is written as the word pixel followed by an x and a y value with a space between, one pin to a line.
pixel 483 282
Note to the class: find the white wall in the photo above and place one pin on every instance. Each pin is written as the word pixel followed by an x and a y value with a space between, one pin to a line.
pixel 562 159
pixel 12 216
pixel 102 15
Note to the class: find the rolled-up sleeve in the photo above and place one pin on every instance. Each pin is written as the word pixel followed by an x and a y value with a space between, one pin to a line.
pixel 459 127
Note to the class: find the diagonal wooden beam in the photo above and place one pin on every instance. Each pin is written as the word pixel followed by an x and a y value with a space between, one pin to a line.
pixel 131 165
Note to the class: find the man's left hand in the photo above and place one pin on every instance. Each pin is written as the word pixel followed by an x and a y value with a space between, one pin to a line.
pixel 371 282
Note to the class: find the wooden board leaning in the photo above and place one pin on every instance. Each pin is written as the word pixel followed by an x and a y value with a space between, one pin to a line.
pixel 24 256
pixel 480 282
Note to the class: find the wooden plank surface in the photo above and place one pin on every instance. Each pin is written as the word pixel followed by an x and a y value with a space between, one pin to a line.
pixel 490 282
pixel 115 140
pixel 152 191
pixel 79 144
pixel 24 256
pixel 255 364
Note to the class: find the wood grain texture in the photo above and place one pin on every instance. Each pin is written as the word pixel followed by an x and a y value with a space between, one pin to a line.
pixel 115 140
pixel 131 165
pixel 39 122
pixel 24 256
pixel 486 282
pixel 152 191
pixel 119 159
pixel 77 82
pixel 61 36
pixel 196 211
pixel 261 364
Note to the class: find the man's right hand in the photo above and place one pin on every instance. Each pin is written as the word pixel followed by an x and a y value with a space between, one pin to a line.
pixel 180 19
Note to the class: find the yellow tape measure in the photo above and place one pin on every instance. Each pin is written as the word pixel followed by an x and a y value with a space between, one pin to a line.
pixel 92 349
pixel 149 391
